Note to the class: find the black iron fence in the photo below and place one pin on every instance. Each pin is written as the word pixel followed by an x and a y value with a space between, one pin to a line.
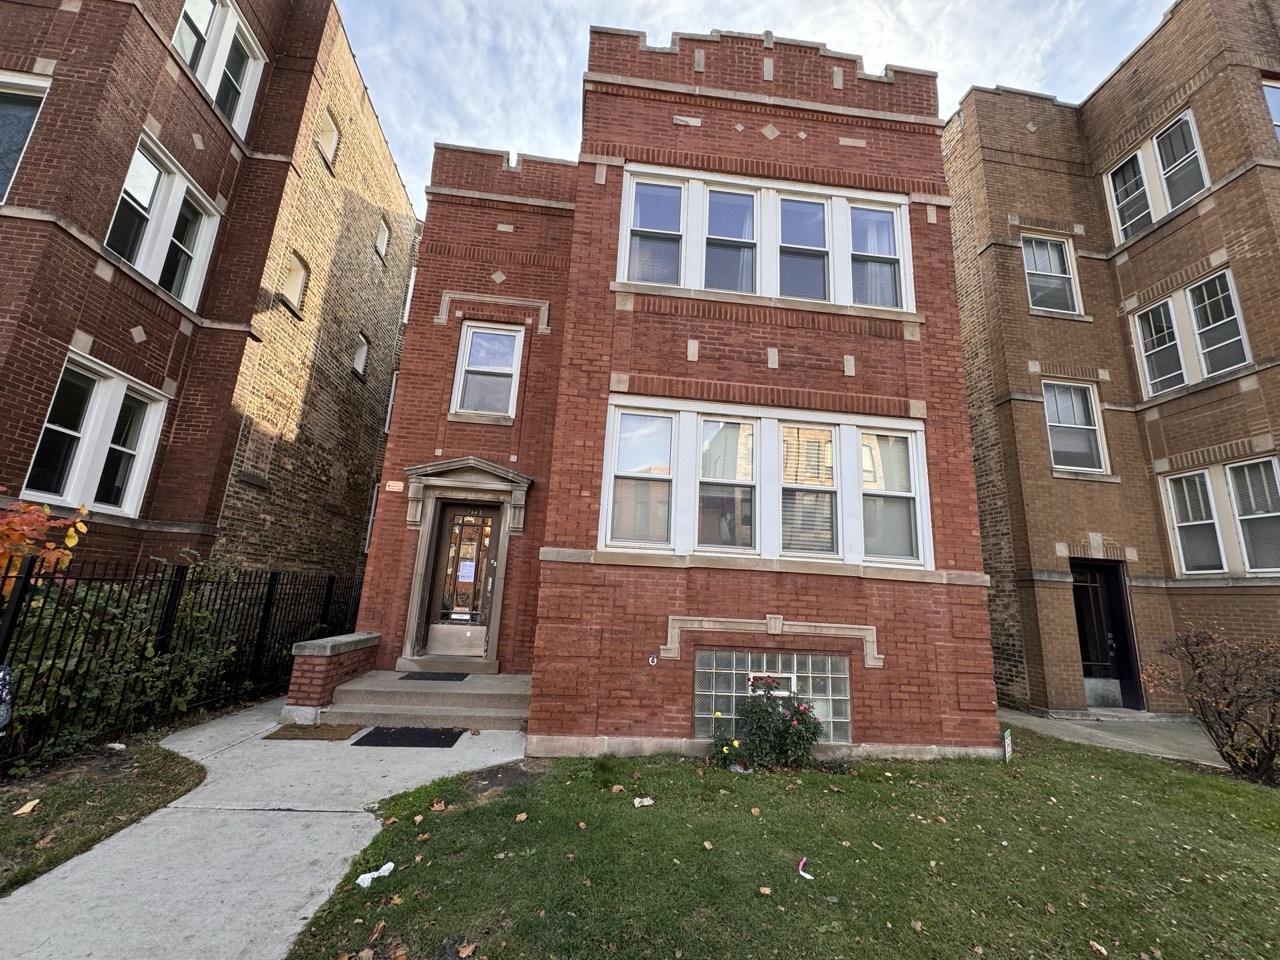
pixel 100 649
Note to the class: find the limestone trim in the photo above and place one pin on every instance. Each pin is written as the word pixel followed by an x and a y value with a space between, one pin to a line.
pixel 625 288
pixel 624 558
pixel 774 626
pixel 741 97
pixel 335 646
pixel 470 480
pixel 448 296
pixel 545 745
pixel 498 198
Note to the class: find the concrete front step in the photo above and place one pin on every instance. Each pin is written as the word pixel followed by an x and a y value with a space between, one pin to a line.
pixel 383 698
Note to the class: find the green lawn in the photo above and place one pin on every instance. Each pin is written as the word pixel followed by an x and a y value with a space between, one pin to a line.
pixel 1064 846
pixel 83 801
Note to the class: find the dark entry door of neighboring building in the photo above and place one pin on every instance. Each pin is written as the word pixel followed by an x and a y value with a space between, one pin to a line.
pixel 1108 653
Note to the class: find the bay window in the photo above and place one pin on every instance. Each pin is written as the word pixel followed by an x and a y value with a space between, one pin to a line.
pixel 1226 518
pixel 1174 154
pixel 215 41
pixel 737 235
pixel 688 478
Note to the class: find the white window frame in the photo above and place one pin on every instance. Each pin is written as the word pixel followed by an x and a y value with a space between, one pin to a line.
pixel 361 359
pixel 1148 154
pixel 382 239
pixel 1240 520
pixel 110 388
pixel 1069 258
pixel 768 193
pixel 172 188
pixel 328 137
pixel 469 328
pixel 1214 510
pixel 1095 406
pixel 391 401
pixel 23 85
pixel 686 474
pixel 1143 353
pixel 297 267
pixel 834 490
pixel 1187 336
pixel 228 23
pixel 1275 116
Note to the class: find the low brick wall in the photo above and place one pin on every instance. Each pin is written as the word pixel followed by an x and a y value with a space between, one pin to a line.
pixel 321 666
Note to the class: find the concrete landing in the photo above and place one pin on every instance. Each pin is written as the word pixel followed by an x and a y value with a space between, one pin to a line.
pixel 1174 737
pixel 383 698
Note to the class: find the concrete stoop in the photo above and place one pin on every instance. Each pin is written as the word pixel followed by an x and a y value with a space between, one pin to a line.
pixel 383 699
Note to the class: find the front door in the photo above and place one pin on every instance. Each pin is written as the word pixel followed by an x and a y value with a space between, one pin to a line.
pixel 1107 652
pixel 461 580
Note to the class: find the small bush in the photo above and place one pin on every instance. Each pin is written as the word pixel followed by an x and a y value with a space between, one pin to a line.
pixel 773 730
pixel 1233 687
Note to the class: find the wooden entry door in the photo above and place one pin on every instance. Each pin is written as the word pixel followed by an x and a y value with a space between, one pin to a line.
pixel 462 577
pixel 1108 654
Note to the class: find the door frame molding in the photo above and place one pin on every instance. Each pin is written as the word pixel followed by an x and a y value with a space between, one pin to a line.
pixel 465 480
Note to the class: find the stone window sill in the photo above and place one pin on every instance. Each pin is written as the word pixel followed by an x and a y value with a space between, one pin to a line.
pixel 1081 475
pixel 1061 315
pixel 755 300
pixel 492 419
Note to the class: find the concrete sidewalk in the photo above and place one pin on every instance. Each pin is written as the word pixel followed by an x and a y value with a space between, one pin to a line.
pixel 233 870
pixel 1175 738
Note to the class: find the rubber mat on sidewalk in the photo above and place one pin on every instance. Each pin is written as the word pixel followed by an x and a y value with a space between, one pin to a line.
pixel 409 737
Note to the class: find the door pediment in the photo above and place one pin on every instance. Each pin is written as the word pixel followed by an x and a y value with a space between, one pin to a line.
pixel 469 470
pixel 468 477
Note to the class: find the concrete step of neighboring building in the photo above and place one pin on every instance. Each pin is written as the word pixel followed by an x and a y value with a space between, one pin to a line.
pixel 382 698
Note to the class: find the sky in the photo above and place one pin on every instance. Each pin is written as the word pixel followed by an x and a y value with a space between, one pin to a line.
pixel 507 74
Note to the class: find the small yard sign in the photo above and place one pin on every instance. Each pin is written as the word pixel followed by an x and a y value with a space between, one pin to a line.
pixel 1008 745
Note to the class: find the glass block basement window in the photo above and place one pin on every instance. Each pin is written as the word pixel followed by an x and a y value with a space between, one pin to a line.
pixel 721 677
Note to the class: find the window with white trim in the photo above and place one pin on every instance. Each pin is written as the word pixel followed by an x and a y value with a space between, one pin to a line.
pixel 772 239
pixel 1050 283
pixel 1199 503
pixel 693 478
pixel 488 372
pixel 327 136
pixel 382 239
pixel 1192 336
pixel 214 40
pixel 362 354
pixel 98 440
pixel 1271 92
pixel 21 97
pixel 1075 433
pixel 164 224
pixel 1175 154
pixel 295 282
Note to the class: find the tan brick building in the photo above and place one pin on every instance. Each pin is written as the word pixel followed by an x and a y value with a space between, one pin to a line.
pixel 1118 288
pixel 207 249
pixel 689 410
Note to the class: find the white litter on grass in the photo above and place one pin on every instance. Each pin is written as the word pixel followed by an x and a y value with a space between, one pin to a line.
pixel 367 878
pixel 116 746
pixel 800 869
pixel 643 801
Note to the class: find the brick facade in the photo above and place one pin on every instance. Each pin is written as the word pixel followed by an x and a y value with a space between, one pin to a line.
pixel 226 366
pixel 1023 164
pixel 536 246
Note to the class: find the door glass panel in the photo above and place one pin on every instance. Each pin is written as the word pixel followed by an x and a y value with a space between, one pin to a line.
pixel 464 593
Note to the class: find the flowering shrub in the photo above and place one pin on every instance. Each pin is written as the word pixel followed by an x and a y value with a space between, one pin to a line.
pixel 774 729
pixel 1232 686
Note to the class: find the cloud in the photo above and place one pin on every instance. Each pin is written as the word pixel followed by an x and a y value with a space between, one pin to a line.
pixel 507 74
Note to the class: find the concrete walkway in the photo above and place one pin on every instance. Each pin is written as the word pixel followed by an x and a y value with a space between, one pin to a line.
pixel 233 870
pixel 1176 738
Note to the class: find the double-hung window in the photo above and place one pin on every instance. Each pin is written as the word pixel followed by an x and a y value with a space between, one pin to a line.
pixel 1050 285
pixel 1191 337
pixel 214 40
pixel 163 224
pixel 98 440
pixel 21 97
pixel 736 235
pixel 1175 153
pixel 1272 93
pixel 488 370
pixel 1250 493
pixel 1075 436
pixel 689 478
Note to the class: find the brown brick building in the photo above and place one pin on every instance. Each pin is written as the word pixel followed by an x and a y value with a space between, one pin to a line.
pixel 206 253
pixel 1118 289
pixel 690 410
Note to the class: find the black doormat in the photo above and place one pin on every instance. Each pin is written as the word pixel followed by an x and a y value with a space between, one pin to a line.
pixel 435 676
pixel 409 737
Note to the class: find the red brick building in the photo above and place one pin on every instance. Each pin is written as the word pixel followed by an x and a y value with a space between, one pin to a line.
pixel 206 250
pixel 691 409
pixel 1118 296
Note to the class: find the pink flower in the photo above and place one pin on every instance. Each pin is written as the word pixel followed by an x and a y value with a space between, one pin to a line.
pixel 794 722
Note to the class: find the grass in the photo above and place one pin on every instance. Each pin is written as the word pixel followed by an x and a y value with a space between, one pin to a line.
pixel 82 802
pixel 1065 846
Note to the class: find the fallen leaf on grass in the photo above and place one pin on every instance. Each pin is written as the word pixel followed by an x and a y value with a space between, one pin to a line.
pixel 755 811
pixel 940 819
pixel 1048 908
pixel 377 930
pixel 977 950
pixel 521 817
pixel 466 950
pixel 917 926
pixel 417 858
pixel 699 772
pixel 844 843
pixel 586 882
pixel 365 954
pixel 423 836
pixel 400 954
pixel 618 788
pixel 475 731
pixel 707 844
pixel 767 891
pixel 568 856
pixel 581 825
pixel 45 842
pixel 437 805
pixel 26 808
pixel 834 789
pixel 397 900
pixel 724 793
pixel 1098 948
pixel 635 775
pixel 390 820
pixel 417 818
